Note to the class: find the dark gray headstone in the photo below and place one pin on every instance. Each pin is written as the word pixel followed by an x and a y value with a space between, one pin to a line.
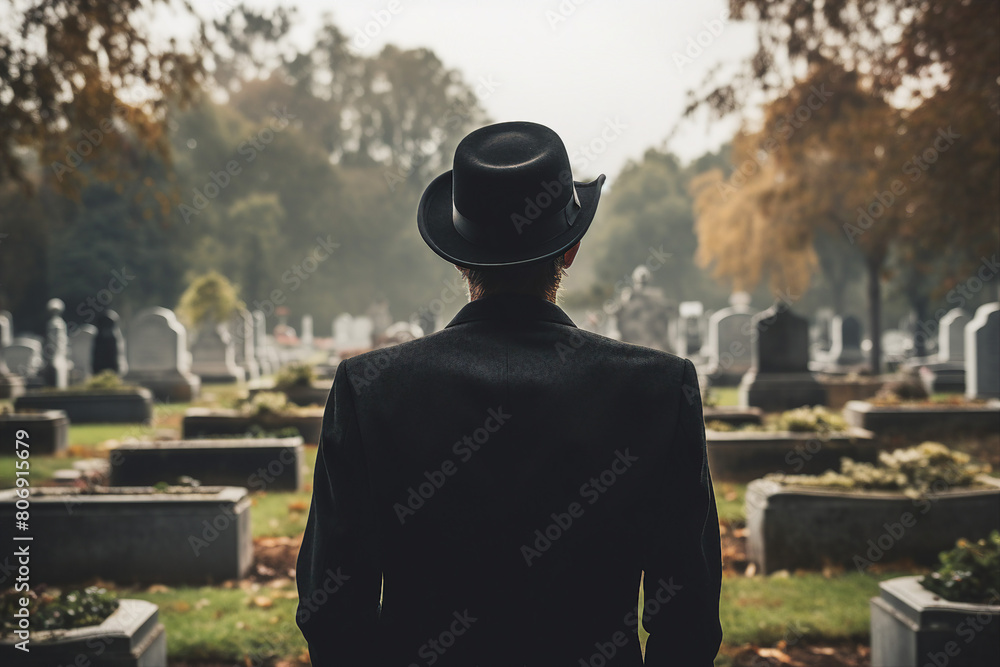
pixel 845 347
pixel 982 353
pixel 779 378
pixel 109 345
pixel 782 344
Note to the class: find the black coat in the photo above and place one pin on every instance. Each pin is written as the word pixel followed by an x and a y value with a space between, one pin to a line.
pixel 505 482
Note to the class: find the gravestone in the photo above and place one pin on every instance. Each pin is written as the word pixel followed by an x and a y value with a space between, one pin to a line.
pixel 241 329
pixel 951 336
pixel 24 358
pixel 381 318
pixel 55 351
pixel 158 356
pixel 81 349
pixel 6 332
pixel 845 342
pixel 779 377
pixel 260 343
pixel 982 353
pixel 343 331
pixel 729 341
pixel 823 337
pixel 109 345
pixel 11 386
pixel 213 357
pixel 644 317
pixel 307 332
pixel 945 372
pixel 689 338
pixel 361 333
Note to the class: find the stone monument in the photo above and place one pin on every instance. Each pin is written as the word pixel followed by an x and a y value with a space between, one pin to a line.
pixel 729 341
pixel 158 356
pixel 982 353
pixel 81 350
pixel 241 329
pixel 213 357
pixel 644 316
pixel 109 345
pixel 55 352
pixel 779 377
pixel 11 385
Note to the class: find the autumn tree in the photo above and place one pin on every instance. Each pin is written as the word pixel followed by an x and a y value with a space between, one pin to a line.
pixel 879 126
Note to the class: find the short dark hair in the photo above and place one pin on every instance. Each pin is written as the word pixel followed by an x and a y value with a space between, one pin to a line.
pixel 540 279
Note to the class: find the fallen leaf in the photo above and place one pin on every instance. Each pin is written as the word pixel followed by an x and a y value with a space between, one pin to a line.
pixel 297 506
pixel 181 606
pixel 158 588
pixel 822 650
pixel 751 570
pixel 262 601
pixel 202 603
pixel 731 496
pixel 775 654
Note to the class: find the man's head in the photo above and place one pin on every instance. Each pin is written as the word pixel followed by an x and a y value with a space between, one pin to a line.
pixel 509 214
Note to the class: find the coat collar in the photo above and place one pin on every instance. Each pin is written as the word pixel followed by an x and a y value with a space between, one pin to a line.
pixel 512 307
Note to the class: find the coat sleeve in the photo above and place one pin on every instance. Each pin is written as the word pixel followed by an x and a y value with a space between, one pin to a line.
pixel 683 572
pixel 338 572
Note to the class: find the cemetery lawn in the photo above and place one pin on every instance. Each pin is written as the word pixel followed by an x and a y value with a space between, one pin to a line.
pixel 255 624
pixel 729 497
pixel 43 468
pixel 726 396
pixel 245 626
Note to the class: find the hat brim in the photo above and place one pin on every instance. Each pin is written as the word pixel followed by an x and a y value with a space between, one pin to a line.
pixel 434 220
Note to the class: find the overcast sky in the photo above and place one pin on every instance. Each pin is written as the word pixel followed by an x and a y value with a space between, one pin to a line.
pixel 586 68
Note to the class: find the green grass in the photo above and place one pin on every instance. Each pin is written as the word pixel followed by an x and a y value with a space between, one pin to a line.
pixel 42 469
pixel 284 514
pixel 210 623
pixel 726 396
pixel 729 497
pixel 90 436
pixel 764 610
pixel 225 625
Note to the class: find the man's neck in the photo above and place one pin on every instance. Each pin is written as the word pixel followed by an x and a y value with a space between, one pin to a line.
pixel 479 296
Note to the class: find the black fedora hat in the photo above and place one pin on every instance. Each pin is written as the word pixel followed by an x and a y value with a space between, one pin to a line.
pixel 510 199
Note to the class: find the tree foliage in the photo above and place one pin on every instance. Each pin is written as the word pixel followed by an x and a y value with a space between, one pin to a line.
pixel 69 70
pixel 900 159
pixel 209 298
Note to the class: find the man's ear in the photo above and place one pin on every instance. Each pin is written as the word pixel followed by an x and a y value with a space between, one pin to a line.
pixel 570 255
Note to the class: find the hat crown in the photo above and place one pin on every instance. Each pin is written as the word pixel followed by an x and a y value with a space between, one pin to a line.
pixel 507 176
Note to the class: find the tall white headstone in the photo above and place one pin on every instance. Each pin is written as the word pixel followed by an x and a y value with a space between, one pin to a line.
pixel 951 335
pixel 982 353
pixel 729 340
pixel 213 356
pixel 158 356
pixel 81 346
